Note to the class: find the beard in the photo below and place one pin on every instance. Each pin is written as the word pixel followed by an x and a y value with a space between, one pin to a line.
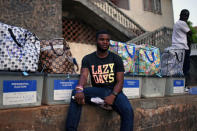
pixel 101 49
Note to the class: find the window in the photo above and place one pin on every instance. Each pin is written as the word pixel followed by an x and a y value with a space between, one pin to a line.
pixel 152 6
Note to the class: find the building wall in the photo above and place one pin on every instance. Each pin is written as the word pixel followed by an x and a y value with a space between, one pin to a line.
pixel 43 17
pixel 79 50
pixel 80 36
pixel 148 20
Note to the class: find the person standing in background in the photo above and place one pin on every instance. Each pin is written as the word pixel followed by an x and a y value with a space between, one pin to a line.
pixel 181 32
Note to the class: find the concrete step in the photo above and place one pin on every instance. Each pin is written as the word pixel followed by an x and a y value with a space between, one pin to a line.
pixel 156 114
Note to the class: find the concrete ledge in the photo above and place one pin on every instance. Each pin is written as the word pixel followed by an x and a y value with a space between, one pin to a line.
pixel 152 114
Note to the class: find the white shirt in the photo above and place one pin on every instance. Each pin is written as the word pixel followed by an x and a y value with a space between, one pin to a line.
pixel 179 35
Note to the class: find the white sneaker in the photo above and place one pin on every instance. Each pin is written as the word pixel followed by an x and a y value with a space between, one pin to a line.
pixel 186 89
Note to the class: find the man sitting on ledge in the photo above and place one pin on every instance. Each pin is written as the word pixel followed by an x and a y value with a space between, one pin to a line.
pixel 107 77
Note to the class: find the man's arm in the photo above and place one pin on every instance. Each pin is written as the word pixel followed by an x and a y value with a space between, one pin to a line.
pixel 189 35
pixel 117 88
pixel 120 80
pixel 83 76
pixel 79 96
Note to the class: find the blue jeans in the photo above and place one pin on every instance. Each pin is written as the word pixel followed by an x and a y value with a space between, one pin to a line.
pixel 121 105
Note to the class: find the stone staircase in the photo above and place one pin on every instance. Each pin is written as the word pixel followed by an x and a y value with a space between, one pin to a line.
pixel 160 38
pixel 104 14
pixel 109 8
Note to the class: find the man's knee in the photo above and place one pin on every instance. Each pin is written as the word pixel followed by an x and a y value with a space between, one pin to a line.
pixel 127 111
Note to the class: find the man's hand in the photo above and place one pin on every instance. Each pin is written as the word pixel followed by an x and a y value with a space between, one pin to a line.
pixel 110 99
pixel 79 97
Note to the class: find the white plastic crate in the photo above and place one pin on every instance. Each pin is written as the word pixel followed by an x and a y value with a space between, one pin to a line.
pixel 58 88
pixel 175 85
pixel 18 90
pixel 153 86
pixel 132 86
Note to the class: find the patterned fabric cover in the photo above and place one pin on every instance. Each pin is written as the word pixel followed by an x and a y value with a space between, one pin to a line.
pixel 56 57
pixel 172 62
pixel 148 60
pixel 126 52
pixel 19 49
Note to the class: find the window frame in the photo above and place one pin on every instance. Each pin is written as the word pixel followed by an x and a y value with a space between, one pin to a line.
pixel 153 6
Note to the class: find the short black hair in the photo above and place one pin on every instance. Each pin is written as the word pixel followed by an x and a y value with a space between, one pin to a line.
pixel 184 13
pixel 103 31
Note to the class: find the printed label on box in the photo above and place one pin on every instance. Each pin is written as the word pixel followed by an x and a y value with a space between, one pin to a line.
pixel 63 89
pixel 19 92
pixel 178 86
pixel 131 88
pixel 193 91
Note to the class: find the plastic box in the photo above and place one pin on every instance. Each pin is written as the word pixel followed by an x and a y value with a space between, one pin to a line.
pixel 175 86
pixel 58 87
pixel 193 91
pixel 132 86
pixel 18 90
pixel 153 86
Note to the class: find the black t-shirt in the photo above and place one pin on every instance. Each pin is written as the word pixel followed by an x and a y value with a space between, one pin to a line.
pixel 103 70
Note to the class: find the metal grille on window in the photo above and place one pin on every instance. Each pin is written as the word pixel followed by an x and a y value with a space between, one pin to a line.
pixel 78 31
